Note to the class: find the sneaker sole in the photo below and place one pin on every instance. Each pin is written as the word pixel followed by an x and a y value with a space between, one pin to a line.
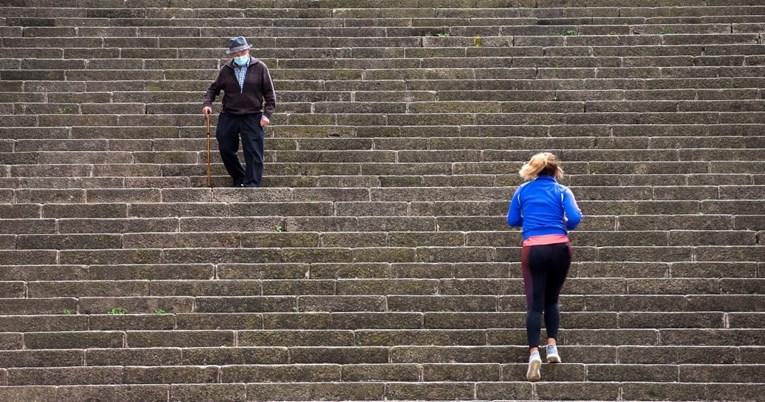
pixel 533 373
pixel 553 359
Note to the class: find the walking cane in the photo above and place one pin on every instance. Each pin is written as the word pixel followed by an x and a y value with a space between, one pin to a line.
pixel 209 177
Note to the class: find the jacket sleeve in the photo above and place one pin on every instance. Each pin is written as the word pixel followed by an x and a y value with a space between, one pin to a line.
pixel 213 91
pixel 514 217
pixel 269 94
pixel 573 213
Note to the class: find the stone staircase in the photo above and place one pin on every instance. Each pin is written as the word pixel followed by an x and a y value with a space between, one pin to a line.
pixel 375 263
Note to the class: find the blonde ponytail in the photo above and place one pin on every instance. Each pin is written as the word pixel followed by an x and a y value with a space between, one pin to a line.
pixel 541 164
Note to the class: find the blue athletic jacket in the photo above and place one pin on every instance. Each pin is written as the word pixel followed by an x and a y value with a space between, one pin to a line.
pixel 538 207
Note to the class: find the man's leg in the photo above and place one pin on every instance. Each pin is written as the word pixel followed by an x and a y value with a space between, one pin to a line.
pixel 252 142
pixel 227 134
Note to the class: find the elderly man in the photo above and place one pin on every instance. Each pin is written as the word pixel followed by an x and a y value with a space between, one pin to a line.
pixel 248 102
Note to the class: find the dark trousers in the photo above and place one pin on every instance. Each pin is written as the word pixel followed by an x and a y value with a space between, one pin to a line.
pixel 544 271
pixel 228 132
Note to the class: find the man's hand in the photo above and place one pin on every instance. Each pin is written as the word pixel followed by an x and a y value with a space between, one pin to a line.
pixel 206 110
pixel 264 121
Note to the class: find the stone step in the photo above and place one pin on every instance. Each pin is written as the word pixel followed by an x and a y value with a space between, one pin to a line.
pixel 299 238
pixel 375 10
pixel 431 374
pixel 302 83
pixel 375 270
pixel 687 97
pixel 46 15
pixel 299 208
pixel 351 358
pixel 743 253
pixel 475 311
pixel 381 194
pixel 512 35
pixel 361 390
pixel 342 28
pixel 597 135
pixel 546 69
pixel 387 327
pixel 346 287
pixel 441 106
pixel 194 176
pixel 211 58
pixel 443 124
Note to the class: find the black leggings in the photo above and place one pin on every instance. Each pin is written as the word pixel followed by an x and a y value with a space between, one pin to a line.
pixel 544 271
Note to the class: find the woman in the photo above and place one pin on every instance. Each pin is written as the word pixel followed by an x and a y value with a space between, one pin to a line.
pixel 545 210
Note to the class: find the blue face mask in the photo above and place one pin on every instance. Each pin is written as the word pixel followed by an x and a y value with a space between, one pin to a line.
pixel 242 60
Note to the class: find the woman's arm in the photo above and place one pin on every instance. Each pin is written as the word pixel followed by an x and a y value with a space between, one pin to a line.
pixel 573 213
pixel 514 217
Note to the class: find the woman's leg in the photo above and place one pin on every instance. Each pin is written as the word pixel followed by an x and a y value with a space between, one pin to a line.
pixel 533 262
pixel 557 271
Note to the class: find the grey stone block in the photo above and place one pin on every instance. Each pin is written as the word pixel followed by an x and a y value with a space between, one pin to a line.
pixel 36 358
pixel 217 392
pixel 11 290
pixel 580 390
pixel 28 393
pixel 454 354
pixel 157 321
pixel 144 339
pixel 65 376
pixel 281 373
pixel 338 355
pixel 11 341
pixel 431 391
pixel 442 303
pixel 298 287
pixel 150 272
pixel 504 390
pixel 381 372
pixel 341 303
pixel 358 239
pixel 263 271
pixel 135 305
pixel 461 372
pixel 243 304
pixel 170 375
pixel 41 322
pixel 37 306
pixel 675 355
pixel 92 257
pixel 197 321
pixel 73 340
pixel 127 393
pixel 419 337
pixel 132 357
pixel 180 240
pixel 235 356
pixel 313 391
pixel 354 321
pixel 68 241
pixel 648 373
pixel 670 320
pixel 77 289
pixel 130 225
pixel 711 337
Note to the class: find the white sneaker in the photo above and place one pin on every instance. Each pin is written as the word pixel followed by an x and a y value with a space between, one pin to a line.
pixel 535 363
pixel 552 354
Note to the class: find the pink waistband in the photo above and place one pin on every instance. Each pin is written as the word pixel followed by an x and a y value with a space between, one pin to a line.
pixel 545 240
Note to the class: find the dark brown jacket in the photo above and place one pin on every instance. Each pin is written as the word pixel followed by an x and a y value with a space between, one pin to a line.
pixel 257 95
